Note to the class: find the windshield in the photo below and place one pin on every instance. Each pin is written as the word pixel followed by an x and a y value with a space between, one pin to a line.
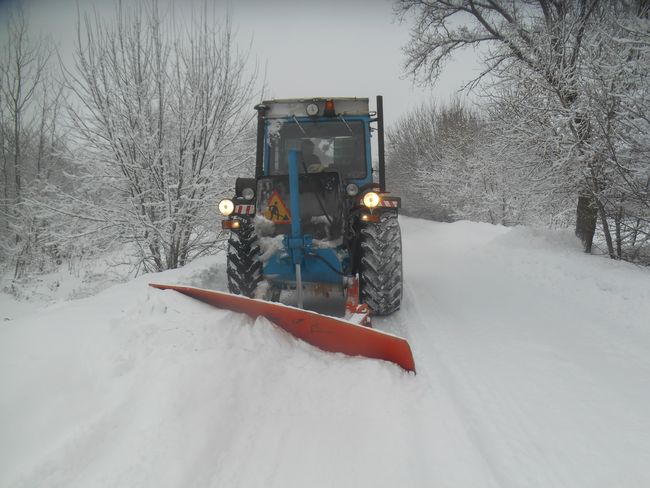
pixel 323 146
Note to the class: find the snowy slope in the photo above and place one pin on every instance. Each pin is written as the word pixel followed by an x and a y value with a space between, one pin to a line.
pixel 533 371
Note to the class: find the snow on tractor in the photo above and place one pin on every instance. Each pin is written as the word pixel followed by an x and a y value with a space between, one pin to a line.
pixel 313 217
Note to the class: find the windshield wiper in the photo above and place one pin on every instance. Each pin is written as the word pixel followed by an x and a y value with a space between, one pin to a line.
pixel 299 126
pixel 346 124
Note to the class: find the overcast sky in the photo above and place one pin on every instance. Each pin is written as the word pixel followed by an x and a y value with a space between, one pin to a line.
pixel 309 47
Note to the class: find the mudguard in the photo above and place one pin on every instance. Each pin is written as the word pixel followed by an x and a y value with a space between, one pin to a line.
pixel 327 333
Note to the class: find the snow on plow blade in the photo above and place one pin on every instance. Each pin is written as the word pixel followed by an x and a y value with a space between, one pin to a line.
pixel 327 333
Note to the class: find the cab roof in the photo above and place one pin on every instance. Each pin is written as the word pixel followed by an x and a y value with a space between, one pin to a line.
pixel 297 107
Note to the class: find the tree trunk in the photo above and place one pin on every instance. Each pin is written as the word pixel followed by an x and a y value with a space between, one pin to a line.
pixel 586 218
pixel 619 237
pixel 17 179
pixel 606 231
pixel 5 172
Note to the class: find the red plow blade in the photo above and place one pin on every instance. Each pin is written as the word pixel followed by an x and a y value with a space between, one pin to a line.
pixel 327 333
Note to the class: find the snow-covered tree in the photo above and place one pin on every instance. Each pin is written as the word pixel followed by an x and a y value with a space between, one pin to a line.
pixel 570 59
pixel 529 139
pixel 30 143
pixel 162 118
pixel 411 147
pixel 617 87
pixel 457 160
pixel 541 40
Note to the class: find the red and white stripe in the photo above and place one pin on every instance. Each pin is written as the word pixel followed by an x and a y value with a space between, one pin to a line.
pixel 247 209
pixel 389 203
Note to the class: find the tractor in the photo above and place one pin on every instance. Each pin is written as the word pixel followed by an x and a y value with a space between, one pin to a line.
pixel 314 217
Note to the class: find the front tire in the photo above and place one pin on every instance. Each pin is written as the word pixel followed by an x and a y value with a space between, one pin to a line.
pixel 244 265
pixel 380 264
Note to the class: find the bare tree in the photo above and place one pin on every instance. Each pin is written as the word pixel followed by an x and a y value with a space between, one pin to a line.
pixel 413 147
pixel 28 136
pixel 455 157
pixel 618 91
pixel 542 41
pixel 22 65
pixel 162 126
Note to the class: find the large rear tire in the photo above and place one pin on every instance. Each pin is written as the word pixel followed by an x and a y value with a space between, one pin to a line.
pixel 380 264
pixel 244 265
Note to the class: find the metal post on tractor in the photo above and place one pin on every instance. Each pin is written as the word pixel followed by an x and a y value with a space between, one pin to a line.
pixel 380 143
pixel 259 156
pixel 296 241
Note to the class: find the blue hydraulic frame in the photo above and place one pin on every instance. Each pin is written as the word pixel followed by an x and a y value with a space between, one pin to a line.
pixel 318 265
pixel 295 242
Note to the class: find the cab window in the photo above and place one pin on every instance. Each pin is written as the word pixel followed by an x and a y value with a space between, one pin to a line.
pixel 322 146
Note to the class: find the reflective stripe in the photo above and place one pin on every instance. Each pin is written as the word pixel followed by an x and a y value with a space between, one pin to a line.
pixel 389 203
pixel 245 209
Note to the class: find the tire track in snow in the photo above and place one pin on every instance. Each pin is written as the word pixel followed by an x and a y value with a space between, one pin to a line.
pixel 448 341
pixel 497 424
pixel 545 400
pixel 432 366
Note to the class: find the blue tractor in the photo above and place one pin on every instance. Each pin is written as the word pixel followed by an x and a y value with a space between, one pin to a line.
pixel 316 214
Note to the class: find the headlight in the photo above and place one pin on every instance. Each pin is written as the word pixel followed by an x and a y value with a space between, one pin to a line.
pixel 248 193
pixel 352 189
pixel 226 207
pixel 371 199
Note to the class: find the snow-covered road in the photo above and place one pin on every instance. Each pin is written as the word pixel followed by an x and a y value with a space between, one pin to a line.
pixel 533 371
pixel 541 351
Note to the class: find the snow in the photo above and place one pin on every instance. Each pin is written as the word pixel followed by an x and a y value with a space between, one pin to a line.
pixel 12 308
pixel 533 371
pixel 269 246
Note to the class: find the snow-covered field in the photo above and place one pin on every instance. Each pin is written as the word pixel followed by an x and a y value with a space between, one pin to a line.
pixel 533 371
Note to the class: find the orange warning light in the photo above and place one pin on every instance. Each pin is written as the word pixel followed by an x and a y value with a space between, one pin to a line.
pixel 329 108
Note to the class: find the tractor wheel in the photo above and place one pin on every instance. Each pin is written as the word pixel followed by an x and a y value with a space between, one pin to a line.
pixel 244 265
pixel 380 264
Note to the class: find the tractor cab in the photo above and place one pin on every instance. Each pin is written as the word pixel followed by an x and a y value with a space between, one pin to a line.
pixel 331 141
pixel 330 135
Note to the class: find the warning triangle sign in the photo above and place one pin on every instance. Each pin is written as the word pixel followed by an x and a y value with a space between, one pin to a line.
pixel 276 211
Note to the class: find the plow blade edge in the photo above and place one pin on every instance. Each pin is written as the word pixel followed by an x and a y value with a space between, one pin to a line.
pixel 327 333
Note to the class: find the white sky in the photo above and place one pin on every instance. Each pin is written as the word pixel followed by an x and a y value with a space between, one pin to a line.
pixel 309 48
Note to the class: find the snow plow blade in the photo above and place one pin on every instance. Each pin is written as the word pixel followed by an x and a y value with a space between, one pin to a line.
pixel 327 333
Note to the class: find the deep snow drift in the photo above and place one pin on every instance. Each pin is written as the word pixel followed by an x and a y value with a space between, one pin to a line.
pixel 533 371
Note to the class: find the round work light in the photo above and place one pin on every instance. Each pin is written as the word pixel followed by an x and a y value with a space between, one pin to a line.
pixel 371 199
pixel 226 207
